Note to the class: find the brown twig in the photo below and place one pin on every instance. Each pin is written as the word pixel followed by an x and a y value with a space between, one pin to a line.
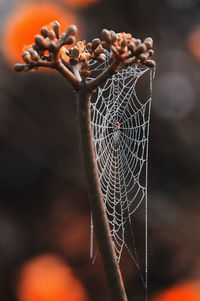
pixel 49 51
pixel 97 205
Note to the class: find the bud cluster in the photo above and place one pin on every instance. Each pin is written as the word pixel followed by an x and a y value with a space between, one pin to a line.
pixel 47 46
pixel 128 49
pixel 49 50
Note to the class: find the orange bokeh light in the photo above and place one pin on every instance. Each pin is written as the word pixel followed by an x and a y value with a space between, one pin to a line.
pixel 48 278
pixel 193 42
pixel 184 292
pixel 80 3
pixel 26 21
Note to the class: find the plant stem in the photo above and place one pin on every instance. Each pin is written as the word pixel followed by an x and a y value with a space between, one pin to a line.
pixel 101 226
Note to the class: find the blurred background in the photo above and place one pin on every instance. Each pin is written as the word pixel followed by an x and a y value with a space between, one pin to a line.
pixel 44 208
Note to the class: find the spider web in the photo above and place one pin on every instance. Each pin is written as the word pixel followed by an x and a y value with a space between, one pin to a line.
pixel 120 128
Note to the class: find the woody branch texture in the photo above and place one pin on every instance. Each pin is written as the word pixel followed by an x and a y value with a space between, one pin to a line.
pixel 72 60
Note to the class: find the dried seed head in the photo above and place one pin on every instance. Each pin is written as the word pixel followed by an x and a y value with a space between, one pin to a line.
pixel 124 48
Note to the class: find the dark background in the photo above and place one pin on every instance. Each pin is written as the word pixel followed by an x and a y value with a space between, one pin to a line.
pixel 44 209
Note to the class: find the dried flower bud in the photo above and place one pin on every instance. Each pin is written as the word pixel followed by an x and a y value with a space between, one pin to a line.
pixel 95 43
pixel 44 32
pixel 124 43
pixel 132 47
pixel 34 54
pixel 148 42
pixel 27 57
pixel 19 67
pixel 150 63
pixel 36 47
pixel 106 35
pixel 149 45
pixel 149 39
pixel 56 28
pixel 113 36
pixel 104 44
pixel 143 57
pixel 71 30
pixel 151 52
pixel 137 42
pixel 52 34
pixel 89 46
pixel 140 49
pixel 46 44
pixel 27 68
pixel 101 57
pixel 69 40
pixel 40 42
pixel 74 52
pixel 99 50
